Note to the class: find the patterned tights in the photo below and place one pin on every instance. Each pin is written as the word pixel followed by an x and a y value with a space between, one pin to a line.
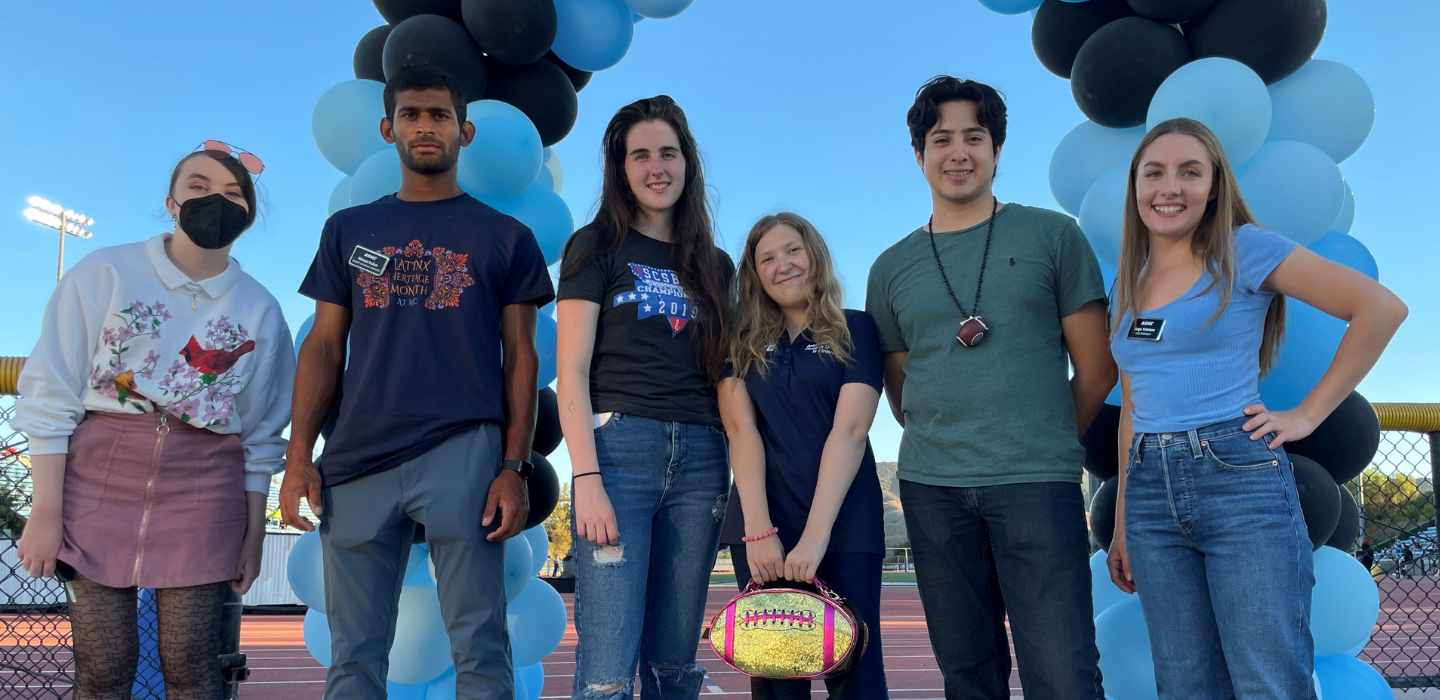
pixel 107 640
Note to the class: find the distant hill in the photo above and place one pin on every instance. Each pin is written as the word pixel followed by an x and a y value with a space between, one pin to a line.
pixel 895 534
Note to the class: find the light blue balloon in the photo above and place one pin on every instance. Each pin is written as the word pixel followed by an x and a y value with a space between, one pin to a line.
pixel 1124 643
pixel 534 676
pixel 1102 211
pixel 1325 104
pixel 300 337
pixel 305 571
pixel 443 688
pixel 1010 7
pixel 1340 248
pixel 421 651
pixel 1103 593
pixel 1347 212
pixel 406 691
pixel 1107 278
pixel 552 175
pixel 346 123
pixel 658 9
pixel 417 567
pixel 505 156
pixel 1294 189
pixel 1344 603
pixel 340 196
pixel 537 624
pixel 1221 93
pixel 1311 338
pixel 518 562
pixel 316 632
pixel 1084 155
pixel 539 547
pixel 545 347
pixel 592 35
pixel 1349 678
pixel 541 209
pixel 378 176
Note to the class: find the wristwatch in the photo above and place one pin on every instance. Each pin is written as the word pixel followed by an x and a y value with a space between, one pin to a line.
pixel 524 468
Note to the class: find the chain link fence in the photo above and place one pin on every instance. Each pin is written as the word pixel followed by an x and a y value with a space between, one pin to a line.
pixel 1397 502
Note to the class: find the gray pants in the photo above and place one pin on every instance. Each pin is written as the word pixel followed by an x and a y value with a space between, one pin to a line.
pixel 366 531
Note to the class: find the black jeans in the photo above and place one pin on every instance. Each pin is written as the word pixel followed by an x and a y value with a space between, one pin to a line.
pixel 1018 548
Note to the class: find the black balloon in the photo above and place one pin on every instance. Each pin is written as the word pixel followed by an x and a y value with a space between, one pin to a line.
pixel 1102 452
pixel 1102 513
pixel 578 78
pixel 547 422
pixel 544 488
pixel 1273 37
pixel 443 42
pixel 1345 442
pixel 1319 499
pixel 397 11
pixel 368 54
pixel 541 91
pixel 511 31
pixel 1121 66
pixel 1170 11
pixel 1061 28
pixel 1348 530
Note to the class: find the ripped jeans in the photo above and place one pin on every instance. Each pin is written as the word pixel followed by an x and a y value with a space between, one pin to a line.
pixel 640 604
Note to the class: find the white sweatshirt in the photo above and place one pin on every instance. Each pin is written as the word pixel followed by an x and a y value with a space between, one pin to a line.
pixel 126 331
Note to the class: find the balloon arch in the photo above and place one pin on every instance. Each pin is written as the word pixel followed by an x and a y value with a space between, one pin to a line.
pixel 1243 67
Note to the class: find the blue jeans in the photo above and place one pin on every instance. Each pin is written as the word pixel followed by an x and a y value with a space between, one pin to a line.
pixel 1222 562
pixel 854 576
pixel 641 603
pixel 1022 549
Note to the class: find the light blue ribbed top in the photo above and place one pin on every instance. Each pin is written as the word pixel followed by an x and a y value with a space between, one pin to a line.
pixel 1202 372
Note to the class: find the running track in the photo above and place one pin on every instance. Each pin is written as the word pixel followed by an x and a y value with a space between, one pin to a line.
pixel 281 669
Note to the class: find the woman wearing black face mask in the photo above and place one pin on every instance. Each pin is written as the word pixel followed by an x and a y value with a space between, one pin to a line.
pixel 153 403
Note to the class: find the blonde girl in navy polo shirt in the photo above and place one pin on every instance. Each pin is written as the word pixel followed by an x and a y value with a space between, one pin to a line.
pixel 1208 525
pixel 798 400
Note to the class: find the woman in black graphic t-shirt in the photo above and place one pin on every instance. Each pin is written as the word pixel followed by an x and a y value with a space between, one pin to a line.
pixel 643 298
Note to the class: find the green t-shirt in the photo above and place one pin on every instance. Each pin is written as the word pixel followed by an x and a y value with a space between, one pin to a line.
pixel 1000 412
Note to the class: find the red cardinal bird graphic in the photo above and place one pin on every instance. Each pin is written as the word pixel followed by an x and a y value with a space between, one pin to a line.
pixel 215 362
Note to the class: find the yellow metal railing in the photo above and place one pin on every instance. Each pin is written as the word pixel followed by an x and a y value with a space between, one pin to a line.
pixel 1409 417
pixel 10 374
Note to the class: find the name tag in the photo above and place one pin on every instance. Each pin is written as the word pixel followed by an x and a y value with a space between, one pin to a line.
pixel 1146 329
pixel 369 260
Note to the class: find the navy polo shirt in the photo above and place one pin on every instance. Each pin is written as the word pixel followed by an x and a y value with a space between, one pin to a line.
pixel 795 413
pixel 425 283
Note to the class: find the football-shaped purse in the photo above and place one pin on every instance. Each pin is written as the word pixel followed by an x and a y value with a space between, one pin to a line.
pixel 788 630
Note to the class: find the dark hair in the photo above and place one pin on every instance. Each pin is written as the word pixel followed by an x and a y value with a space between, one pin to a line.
pixel 242 176
pixel 989 108
pixel 693 251
pixel 424 76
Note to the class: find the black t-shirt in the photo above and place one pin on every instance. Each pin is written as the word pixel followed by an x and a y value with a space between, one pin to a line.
pixel 644 363
pixel 425 283
pixel 795 406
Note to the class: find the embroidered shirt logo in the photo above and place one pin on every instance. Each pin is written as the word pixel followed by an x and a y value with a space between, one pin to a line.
pixel 658 293
pixel 818 349
pixel 435 276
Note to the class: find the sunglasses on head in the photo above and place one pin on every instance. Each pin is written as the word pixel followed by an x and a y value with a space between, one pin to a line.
pixel 220 149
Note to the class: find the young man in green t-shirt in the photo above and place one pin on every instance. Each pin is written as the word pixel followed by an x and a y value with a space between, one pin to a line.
pixel 978 312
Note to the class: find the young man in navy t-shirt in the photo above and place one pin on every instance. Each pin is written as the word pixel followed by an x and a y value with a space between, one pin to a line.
pixel 437 295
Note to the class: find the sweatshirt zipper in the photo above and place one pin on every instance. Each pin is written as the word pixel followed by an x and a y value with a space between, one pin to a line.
pixel 161 431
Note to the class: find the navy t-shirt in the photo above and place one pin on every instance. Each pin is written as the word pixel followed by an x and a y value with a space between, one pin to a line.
pixel 795 413
pixel 425 351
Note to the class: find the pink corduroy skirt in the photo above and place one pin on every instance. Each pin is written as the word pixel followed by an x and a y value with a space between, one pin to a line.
pixel 152 507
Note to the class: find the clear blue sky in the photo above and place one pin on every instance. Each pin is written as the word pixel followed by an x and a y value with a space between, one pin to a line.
pixel 798 104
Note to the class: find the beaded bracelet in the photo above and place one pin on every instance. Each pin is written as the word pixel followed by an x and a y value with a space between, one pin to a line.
pixel 756 538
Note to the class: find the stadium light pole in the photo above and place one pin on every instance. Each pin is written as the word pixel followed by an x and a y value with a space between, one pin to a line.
pixel 68 222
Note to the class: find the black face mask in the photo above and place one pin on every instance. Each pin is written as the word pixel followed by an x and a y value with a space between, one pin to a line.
pixel 213 221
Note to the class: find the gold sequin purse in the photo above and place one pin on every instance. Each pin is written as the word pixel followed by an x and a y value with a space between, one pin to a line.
pixel 788 630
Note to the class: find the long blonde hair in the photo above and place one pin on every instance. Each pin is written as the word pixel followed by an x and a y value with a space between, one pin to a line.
pixel 1214 238
pixel 759 321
